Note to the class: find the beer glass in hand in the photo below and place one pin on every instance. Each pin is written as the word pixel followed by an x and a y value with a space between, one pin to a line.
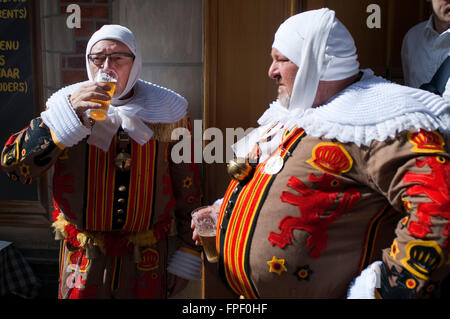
pixel 205 221
pixel 108 77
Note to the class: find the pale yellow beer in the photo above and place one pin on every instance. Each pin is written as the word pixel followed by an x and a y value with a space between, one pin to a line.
pixel 108 77
pixel 209 247
pixel 100 114
pixel 205 220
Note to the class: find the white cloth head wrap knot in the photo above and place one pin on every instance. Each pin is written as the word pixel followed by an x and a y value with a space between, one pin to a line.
pixel 323 49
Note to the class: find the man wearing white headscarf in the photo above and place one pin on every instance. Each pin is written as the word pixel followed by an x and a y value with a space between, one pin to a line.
pixel 345 164
pixel 118 197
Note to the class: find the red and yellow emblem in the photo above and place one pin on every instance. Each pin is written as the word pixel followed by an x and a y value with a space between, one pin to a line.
pixel 394 249
pixel 426 142
pixel 331 157
pixel 276 265
pixel 150 260
pixel 76 258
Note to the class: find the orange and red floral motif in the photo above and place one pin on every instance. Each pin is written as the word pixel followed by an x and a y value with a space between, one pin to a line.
pixel 332 158
pixel 426 142
pixel 149 260
pixel 314 206
pixel 436 186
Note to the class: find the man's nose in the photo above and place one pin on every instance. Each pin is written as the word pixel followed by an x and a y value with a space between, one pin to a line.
pixel 274 71
pixel 107 64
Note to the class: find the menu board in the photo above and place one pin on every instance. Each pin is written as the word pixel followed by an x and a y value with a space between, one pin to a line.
pixel 16 85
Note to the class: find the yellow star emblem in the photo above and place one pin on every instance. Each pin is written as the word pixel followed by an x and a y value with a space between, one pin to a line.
pixel 187 182
pixel 276 265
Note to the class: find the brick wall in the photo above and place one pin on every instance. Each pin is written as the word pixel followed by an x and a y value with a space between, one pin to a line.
pixel 63 48
pixel 94 14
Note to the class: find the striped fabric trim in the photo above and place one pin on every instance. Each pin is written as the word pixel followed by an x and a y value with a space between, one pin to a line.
pixel 142 187
pixel 101 183
pixel 372 237
pixel 234 243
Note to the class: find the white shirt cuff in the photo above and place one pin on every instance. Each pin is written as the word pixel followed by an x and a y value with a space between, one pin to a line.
pixel 185 265
pixel 365 284
pixel 64 122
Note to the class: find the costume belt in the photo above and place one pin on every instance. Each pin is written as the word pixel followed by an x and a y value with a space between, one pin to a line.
pixel 114 243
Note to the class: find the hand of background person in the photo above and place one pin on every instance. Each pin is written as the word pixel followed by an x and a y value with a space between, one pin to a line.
pixel 81 98
pixel 195 236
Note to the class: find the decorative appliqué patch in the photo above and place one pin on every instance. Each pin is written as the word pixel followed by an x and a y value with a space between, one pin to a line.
pixel 303 272
pixel 190 199
pixel 436 187
pixel 318 209
pixel 276 265
pixel 150 260
pixel 426 142
pixel 394 249
pixel 187 182
pixel 77 259
pixel 422 258
pixel 332 158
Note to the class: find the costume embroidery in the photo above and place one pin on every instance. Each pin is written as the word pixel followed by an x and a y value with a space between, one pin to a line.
pixel 332 158
pixel 276 265
pixel 422 258
pixel 303 272
pixel 426 142
pixel 394 249
pixel 313 205
pixel 11 157
pixel 150 260
pixel 187 182
pixel 78 260
pixel 436 186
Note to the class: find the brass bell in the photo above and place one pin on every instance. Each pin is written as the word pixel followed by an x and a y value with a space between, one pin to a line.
pixel 240 169
pixel 123 161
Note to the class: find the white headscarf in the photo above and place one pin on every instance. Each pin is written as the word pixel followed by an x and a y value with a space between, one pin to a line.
pixel 323 49
pixel 124 35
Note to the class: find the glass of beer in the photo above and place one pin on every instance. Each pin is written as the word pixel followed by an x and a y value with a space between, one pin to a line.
pixel 108 77
pixel 205 221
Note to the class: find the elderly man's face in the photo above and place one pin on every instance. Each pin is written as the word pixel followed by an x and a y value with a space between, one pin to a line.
pixel 122 66
pixel 441 10
pixel 283 71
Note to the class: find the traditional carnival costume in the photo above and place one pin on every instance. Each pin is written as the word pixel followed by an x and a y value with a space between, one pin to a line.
pixel 117 194
pixel 336 184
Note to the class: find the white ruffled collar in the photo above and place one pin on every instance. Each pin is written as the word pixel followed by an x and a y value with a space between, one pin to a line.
pixel 371 109
pixel 379 109
pixel 150 103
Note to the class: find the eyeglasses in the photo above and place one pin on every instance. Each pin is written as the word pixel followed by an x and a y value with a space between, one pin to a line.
pixel 115 57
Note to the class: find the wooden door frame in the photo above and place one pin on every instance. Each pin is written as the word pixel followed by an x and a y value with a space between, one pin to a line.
pixel 22 213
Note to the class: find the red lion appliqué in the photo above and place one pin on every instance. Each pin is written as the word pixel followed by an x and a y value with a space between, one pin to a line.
pixel 436 187
pixel 313 204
